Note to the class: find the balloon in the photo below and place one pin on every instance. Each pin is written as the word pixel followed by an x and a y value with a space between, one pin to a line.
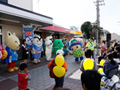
pixel 59 71
pixel 4 55
pixel 102 62
pixel 88 64
pixel 100 70
pixel 59 60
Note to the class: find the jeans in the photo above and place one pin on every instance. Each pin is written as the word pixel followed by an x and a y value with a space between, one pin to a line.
pixel 59 82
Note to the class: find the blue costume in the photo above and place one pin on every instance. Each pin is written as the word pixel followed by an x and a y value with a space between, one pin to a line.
pixel 11 53
pixel 37 50
pixel 29 46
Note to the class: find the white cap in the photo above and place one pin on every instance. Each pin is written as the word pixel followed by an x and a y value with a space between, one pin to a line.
pixel 60 52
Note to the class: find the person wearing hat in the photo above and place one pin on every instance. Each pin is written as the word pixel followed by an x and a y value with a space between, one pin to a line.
pixel 90 45
pixel 64 46
pixel 76 48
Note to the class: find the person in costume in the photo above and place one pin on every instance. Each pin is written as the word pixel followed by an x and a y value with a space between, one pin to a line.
pixel 12 45
pixel 29 41
pixel 48 49
pixel 57 44
pixel 3 54
pixel 76 49
pixel 36 48
pixel 78 38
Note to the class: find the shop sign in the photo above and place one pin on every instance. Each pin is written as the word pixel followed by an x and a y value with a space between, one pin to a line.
pixel 56 28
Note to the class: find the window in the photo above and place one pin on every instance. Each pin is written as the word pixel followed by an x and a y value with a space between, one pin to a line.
pixel 4 1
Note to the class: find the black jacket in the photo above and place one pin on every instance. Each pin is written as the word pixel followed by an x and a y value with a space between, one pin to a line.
pixel 110 69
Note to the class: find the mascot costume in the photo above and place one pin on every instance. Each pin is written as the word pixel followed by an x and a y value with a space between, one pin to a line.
pixel 3 53
pixel 37 48
pixel 76 48
pixel 57 44
pixel 48 50
pixel 78 38
pixel 0 52
pixel 12 45
pixel 29 40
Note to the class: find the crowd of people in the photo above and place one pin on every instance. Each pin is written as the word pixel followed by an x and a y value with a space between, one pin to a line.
pixel 110 67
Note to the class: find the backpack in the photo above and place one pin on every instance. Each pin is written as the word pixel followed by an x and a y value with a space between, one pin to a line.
pixel 51 69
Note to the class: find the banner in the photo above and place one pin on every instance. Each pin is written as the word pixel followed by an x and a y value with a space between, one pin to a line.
pixel 28 35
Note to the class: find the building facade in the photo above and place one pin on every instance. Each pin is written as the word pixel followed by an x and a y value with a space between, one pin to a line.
pixel 16 13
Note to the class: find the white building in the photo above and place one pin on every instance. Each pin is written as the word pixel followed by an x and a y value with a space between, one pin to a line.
pixel 115 36
pixel 16 13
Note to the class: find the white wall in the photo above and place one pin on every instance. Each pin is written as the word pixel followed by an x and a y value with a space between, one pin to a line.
pixel 36 7
pixel 26 4
pixel 18 30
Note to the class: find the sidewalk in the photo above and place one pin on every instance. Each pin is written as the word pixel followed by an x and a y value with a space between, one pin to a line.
pixel 72 81
pixel 41 79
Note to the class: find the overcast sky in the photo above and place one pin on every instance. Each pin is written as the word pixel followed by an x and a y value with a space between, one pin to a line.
pixel 68 13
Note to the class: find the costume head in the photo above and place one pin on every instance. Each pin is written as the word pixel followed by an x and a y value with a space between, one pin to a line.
pixel 77 38
pixel 57 44
pixel 75 47
pixel 48 40
pixel 37 40
pixel 29 40
pixel 12 41
pixel 72 40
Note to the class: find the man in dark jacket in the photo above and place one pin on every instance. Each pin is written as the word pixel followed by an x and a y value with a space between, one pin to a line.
pixel 110 66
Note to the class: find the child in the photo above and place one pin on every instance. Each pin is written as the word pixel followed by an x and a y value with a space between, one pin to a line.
pixel 88 54
pixel 110 66
pixel 90 80
pixel 23 77
pixel 51 65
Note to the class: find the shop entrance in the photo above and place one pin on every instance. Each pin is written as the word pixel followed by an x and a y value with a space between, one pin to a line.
pixel 56 36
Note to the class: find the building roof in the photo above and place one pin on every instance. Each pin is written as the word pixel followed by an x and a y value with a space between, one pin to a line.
pixel 10 12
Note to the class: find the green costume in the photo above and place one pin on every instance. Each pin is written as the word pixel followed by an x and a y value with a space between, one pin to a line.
pixel 75 47
pixel 78 53
pixel 57 44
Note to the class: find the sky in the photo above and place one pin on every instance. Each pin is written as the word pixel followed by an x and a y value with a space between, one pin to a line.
pixel 68 13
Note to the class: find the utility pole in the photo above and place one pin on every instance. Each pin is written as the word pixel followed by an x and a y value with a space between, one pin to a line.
pixel 98 3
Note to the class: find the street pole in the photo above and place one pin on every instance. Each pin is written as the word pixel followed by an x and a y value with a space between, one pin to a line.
pixel 97 4
pixel 98 20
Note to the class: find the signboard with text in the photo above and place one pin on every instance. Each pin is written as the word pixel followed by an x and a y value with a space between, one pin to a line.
pixel 28 35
